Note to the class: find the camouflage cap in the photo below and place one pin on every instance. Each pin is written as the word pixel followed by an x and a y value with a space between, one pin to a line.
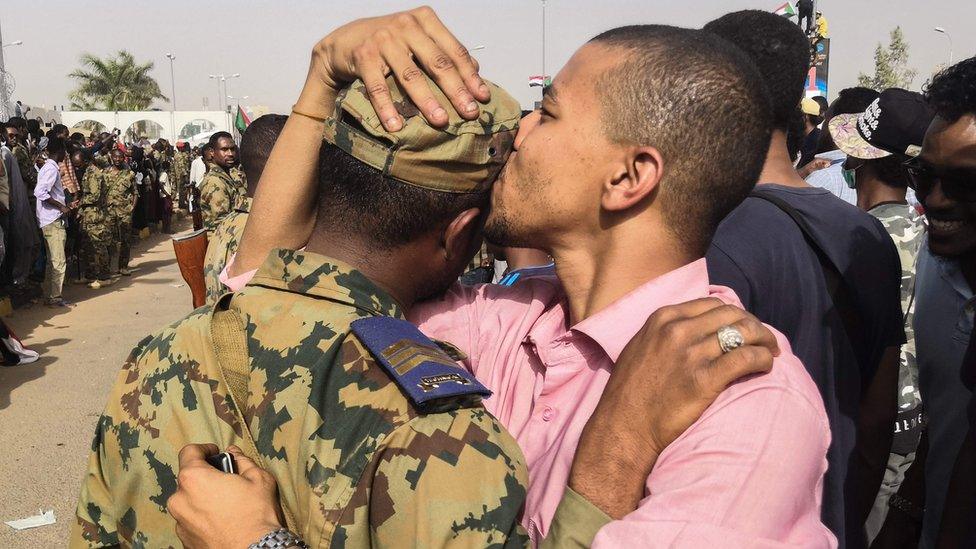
pixel 463 157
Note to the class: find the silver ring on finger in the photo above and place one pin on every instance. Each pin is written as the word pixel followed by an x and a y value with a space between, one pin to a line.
pixel 729 339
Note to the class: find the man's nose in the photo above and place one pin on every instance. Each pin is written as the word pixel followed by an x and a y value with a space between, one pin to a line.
pixel 526 125
pixel 936 199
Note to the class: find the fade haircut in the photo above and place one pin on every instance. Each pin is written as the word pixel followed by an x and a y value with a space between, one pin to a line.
pixel 256 145
pixel 779 50
pixel 952 93
pixel 355 198
pixel 701 103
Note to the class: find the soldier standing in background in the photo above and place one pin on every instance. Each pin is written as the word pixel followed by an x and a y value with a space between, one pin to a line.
pixel 222 189
pixel 95 223
pixel 256 145
pixel 121 193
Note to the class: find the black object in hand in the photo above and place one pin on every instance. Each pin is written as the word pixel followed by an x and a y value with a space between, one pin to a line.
pixel 223 461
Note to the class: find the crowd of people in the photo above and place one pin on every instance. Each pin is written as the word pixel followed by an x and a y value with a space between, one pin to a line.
pixel 73 203
pixel 732 316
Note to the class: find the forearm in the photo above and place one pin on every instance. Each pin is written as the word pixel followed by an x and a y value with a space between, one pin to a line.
pixel 612 463
pixel 283 212
pixel 875 431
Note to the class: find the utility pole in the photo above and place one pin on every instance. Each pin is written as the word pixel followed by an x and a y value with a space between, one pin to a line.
pixel 4 99
pixel 172 97
pixel 545 75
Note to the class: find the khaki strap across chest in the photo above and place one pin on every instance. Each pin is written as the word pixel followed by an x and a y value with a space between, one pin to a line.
pixel 229 337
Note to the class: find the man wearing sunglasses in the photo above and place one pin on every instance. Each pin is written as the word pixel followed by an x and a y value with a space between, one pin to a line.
pixel 944 178
pixel 877 143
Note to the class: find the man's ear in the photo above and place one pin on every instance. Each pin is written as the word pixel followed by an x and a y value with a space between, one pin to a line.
pixel 461 232
pixel 637 175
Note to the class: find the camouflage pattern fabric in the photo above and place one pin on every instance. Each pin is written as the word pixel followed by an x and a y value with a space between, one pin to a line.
pixel 95 223
pixel 356 464
pixel 220 194
pixel 181 164
pixel 466 156
pixel 27 171
pixel 222 245
pixel 121 192
pixel 908 232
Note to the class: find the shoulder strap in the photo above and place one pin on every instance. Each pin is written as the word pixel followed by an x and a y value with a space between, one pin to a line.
pixel 230 345
pixel 837 287
pixel 424 372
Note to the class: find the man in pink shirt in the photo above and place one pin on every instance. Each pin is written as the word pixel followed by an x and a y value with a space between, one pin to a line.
pixel 646 139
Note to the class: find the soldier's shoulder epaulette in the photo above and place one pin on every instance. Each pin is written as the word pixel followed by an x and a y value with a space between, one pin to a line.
pixel 416 364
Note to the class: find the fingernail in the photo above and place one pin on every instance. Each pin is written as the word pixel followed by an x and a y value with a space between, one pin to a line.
pixel 393 123
pixel 439 112
pixel 483 88
pixel 471 107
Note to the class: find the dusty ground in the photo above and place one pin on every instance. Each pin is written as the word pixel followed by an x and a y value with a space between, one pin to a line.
pixel 48 409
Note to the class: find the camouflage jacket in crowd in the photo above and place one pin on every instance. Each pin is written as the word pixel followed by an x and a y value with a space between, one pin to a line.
pixel 220 194
pixel 120 188
pixel 357 464
pixel 907 231
pixel 27 171
pixel 221 245
pixel 93 203
pixel 181 166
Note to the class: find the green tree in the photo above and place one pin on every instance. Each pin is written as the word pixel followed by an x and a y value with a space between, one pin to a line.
pixel 891 68
pixel 114 83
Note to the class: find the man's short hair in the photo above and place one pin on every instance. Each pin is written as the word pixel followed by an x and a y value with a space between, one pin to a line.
pixel 217 136
pixel 355 198
pixel 891 170
pixel 256 145
pixel 952 93
pixel 701 103
pixel 206 147
pixel 55 145
pixel 779 50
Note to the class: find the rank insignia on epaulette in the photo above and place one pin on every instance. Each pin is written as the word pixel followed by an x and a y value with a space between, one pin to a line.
pixel 418 365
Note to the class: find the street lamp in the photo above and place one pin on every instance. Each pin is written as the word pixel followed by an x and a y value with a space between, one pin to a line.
pixel 942 30
pixel 172 79
pixel 216 77
pixel 14 43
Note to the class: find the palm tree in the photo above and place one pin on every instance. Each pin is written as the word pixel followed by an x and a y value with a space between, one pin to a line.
pixel 115 83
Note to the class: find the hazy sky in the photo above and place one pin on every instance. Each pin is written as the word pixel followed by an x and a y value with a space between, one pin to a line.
pixel 268 43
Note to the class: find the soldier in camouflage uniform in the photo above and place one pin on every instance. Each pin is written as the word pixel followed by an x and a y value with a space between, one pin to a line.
pixel 224 187
pixel 96 227
pixel 181 165
pixel 374 434
pixel 256 145
pixel 121 192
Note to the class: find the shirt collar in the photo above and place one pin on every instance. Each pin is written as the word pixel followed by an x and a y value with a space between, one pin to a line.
pixel 316 275
pixel 614 327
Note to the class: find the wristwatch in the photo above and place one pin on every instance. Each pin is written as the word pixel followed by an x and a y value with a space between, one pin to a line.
pixel 279 539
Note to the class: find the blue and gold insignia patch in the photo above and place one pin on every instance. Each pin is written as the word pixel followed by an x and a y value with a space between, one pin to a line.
pixel 418 365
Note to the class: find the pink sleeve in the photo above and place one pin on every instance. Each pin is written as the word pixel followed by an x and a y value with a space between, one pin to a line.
pixel 235 283
pixel 748 474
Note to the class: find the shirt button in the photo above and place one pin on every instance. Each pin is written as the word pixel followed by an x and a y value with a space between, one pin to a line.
pixel 548 414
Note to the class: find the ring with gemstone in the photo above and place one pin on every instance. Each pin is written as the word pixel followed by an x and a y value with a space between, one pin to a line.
pixel 729 338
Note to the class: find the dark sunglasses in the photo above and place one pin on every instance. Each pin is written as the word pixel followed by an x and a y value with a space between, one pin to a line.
pixel 957 184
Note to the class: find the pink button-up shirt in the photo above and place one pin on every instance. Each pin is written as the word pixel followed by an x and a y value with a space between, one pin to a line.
pixel 748 473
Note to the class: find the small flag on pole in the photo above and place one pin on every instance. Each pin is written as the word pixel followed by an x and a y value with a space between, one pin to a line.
pixel 786 10
pixel 539 81
pixel 242 120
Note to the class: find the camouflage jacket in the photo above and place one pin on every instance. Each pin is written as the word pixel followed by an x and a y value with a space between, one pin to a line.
pixel 93 203
pixel 120 188
pixel 27 171
pixel 907 231
pixel 356 463
pixel 220 194
pixel 222 245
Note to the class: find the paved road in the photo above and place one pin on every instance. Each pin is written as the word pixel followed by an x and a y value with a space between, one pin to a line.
pixel 48 409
